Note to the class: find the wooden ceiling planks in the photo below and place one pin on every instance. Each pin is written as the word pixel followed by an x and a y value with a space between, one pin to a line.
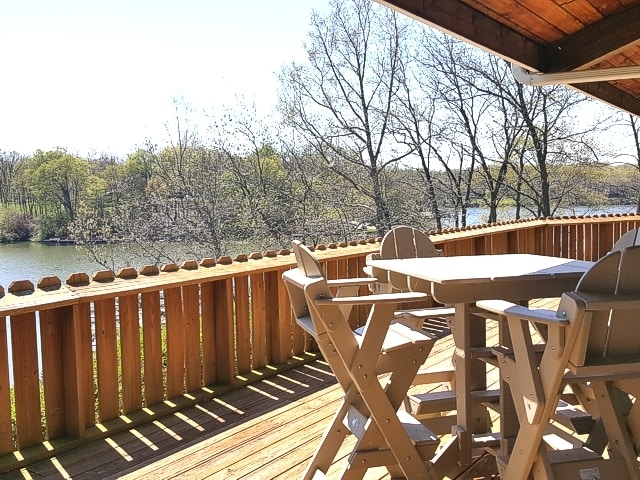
pixel 518 18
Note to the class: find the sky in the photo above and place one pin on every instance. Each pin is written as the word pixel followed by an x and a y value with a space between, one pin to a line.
pixel 101 76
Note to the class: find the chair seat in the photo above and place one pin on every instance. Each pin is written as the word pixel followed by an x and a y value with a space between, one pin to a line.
pixel 398 336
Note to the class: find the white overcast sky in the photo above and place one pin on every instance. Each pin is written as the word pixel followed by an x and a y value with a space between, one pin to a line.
pixel 100 76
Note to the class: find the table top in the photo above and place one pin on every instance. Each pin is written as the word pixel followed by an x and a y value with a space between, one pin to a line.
pixel 466 279
pixel 484 268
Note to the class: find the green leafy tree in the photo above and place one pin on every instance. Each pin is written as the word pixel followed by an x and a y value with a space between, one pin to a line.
pixel 58 178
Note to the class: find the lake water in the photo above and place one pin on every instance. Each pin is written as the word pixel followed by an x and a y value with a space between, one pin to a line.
pixel 32 260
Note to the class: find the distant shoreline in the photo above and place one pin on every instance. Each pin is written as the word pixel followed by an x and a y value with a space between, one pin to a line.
pixel 66 241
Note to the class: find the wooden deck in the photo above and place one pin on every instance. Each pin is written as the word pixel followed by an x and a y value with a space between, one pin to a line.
pixel 268 430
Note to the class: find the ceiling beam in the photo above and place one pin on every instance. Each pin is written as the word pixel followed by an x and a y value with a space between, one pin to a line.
pixel 609 94
pixel 595 42
pixel 463 22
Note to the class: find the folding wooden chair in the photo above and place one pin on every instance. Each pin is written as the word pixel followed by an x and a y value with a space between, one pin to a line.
pixel 375 370
pixel 592 347
pixel 409 242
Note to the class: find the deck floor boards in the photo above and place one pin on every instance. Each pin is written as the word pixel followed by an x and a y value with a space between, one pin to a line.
pixel 267 430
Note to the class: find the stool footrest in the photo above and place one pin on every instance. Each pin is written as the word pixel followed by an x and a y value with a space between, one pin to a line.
pixel 434 402
pixel 418 433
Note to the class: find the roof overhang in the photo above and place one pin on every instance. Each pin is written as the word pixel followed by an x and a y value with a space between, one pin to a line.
pixel 550 37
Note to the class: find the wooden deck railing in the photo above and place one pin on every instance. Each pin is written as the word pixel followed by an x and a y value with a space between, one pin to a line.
pixel 82 360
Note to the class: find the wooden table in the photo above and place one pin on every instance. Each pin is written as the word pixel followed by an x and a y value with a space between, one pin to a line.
pixel 461 281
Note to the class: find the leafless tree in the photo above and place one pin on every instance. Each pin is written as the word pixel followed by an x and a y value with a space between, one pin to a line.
pixel 634 124
pixel 341 100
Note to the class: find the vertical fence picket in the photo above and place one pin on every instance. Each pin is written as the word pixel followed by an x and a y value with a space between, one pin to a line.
pixel 175 341
pixel 605 238
pixel 209 363
pixel 130 353
pixel 282 328
pixel 79 385
pixel 223 319
pixel 107 359
pixel 26 379
pixel 6 433
pixel 243 323
pixel 580 238
pixel 258 321
pixel 331 269
pixel 191 307
pixel 272 316
pixel 51 342
pixel 152 338
pixel 499 243
pixel 588 242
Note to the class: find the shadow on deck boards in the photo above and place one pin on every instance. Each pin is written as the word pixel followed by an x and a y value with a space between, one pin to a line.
pixel 267 430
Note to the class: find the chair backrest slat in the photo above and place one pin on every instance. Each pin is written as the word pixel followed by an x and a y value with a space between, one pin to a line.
pixel 623 326
pixel 307 262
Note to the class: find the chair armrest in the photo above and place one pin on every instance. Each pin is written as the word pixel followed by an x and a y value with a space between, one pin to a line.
pixel 372 256
pixel 373 299
pixel 351 282
pixel 509 309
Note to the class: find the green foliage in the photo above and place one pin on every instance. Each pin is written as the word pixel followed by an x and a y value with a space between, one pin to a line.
pixel 15 226
pixel 51 225
pixel 57 179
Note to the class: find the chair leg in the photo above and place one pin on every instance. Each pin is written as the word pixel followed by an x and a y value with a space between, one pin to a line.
pixel 332 440
pixel 383 403
pixel 620 443
pixel 525 450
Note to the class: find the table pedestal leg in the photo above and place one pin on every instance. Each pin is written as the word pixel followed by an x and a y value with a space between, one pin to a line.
pixel 469 333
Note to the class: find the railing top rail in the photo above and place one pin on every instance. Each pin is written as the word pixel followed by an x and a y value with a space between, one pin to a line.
pixel 22 297
pixel 481 230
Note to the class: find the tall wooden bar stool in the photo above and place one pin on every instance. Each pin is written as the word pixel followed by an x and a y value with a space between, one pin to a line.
pixel 374 369
pixel 592 349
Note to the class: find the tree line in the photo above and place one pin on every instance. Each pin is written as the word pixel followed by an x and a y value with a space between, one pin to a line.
pixel 387 122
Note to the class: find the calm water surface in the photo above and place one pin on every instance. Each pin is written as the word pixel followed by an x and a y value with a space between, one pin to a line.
pixel 34 260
